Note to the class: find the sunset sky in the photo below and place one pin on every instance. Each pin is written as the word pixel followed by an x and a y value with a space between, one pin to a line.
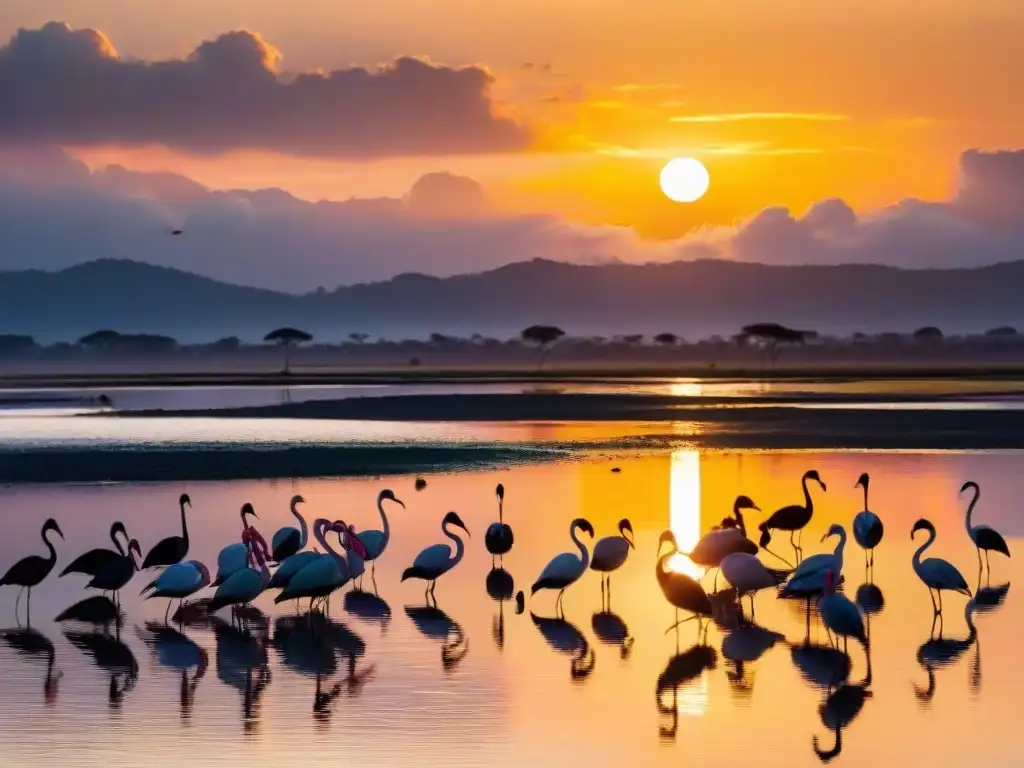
pixel 562 111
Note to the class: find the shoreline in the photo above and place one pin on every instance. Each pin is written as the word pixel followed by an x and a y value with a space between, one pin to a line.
pixel 803 372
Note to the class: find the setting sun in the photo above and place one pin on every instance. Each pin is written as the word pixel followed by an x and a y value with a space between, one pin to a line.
pixel 684 179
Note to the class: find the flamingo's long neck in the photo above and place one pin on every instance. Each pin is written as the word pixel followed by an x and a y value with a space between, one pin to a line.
pixel 661 569
pixel 969 616
pixel 49 546
pixel 303 528
pixel 385 526
pixel 808 501
pixel 318 533
pixel 501 510
pixel 866 495
pixel 460 548
pixel 922 548
pixel 584 554
pixel 184 526
pixel 739 520
pixel 838 553
pixel 116 540
pixel 970 509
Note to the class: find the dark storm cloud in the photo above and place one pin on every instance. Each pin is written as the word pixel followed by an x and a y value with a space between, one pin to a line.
pixel 69 87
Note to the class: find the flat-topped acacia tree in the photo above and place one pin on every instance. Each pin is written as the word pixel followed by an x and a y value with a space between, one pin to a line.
pixel 287 338
pixel 544 337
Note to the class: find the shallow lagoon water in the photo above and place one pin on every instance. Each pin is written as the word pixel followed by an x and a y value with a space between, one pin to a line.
pixel 417 690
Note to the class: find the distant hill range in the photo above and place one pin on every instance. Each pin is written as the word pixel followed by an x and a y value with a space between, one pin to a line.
pixel 693 298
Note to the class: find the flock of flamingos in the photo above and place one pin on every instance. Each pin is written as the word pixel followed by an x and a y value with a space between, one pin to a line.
pixel 299 573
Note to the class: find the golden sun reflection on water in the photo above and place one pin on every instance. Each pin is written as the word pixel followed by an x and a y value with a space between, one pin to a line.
pixel 684 509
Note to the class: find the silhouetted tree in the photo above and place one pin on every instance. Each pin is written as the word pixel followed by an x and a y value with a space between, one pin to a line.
pixel 13 344
pixel 928 333
pixel 145 343
pixel 771 335
pixel 359 338
pixel 439 339
pixel 100 339
pixel 666 339
pixel 633 339
pixel 227 344
pixel 1002 332
pixel 544 337
pixel 288 338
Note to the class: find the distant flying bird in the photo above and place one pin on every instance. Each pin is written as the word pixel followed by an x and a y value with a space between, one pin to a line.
pixel 936 573
pixel 30 571
pixel 565 569
pixel 867 527
pixel 499 539
pixel 177 231
pixel 173 549
pixel 983 536
pixel 794 517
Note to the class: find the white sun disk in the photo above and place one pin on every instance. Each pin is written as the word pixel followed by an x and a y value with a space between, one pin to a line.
pixel 684 179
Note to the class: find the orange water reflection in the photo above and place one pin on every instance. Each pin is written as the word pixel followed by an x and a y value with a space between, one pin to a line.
pixel 526 702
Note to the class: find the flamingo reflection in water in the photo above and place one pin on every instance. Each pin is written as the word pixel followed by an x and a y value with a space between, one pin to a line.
pixel 611 629
pixel 369 607
pixel 309 653
pixel 565 637
pixel 937 652
pixel 682 669
pixel 838 710
pixel 434 623
pixel 33 644
pixel 500 587
pixel 745 643
pixel 113 657
pixel 176 651
pixel 242 664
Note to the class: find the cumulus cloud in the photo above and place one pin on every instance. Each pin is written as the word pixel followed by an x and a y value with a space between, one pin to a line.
pixel 54 212
pixel 70 87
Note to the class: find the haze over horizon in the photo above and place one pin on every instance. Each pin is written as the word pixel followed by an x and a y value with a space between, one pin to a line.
pixel 290 167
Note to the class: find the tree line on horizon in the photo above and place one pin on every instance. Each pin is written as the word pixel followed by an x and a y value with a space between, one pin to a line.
pixel 768 336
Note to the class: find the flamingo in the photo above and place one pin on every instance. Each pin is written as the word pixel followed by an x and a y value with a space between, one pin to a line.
pixel 837 712
pixel 292 565
pixel 246 585
pixel 499 538
pixel 289 540
pixel 375 542
pixel 565 637
pixel 355 554
pixel 30 571
pixel 683 668
pixel 729 537
pixel 809 576
pixel 682 591
pixel 936 573
pixel 173 549
pixel 841 616
pixel 983 536
pixel 609 555
pixel 565 569
pixel 323 575
pixel 747 575
pixel 234 557
pixel 117 573
pixel 434 623
pixel 180 580
pixel 436 560
pixel 95 560
pixel 794 517
pixel 867 527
